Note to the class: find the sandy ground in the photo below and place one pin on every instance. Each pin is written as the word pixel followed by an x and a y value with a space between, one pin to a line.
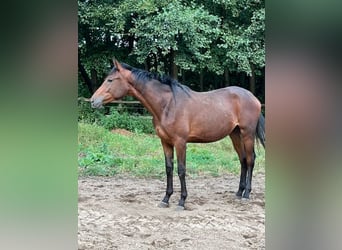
pixel 122 213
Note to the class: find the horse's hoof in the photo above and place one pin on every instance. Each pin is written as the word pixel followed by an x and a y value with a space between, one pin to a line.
pixel 238 196
pixel 163 204
pixel 180 208
pixel 244 199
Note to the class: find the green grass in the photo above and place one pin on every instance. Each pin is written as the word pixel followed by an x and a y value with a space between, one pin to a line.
pixel 104 153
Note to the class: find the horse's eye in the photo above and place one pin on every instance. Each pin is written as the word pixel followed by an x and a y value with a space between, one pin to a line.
pixel 109 80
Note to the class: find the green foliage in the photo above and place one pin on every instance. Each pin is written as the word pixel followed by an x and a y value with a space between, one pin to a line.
pixel 243 36
pixel 95 157
pixel 87 114
pixel 115 120
pixel 204 34
pixel 106 153
pixel 203 38
pixel 189 30
pixel 97 160
pixel 137 124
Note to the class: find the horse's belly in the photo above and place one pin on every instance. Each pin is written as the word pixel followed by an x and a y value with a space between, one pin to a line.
pixel 209 135
pixel 201 139
pixel 211 127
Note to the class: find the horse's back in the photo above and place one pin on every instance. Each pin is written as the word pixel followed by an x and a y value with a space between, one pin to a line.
pixel 243 94
pixel 231 97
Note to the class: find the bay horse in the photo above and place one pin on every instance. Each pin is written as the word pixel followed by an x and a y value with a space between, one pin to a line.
pixel 181 115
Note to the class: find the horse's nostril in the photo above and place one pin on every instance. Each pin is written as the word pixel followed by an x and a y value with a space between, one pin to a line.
pixel 96 102
pixel 92 103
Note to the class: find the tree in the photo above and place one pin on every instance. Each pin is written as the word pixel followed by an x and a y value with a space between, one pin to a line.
pixel 99 37
pixel 176 36
pixel 243 37
pixel 219 40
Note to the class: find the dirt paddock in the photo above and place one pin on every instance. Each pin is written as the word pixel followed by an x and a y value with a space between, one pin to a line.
pixel 122 213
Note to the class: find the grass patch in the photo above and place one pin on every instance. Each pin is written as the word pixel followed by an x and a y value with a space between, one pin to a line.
pixel 104 153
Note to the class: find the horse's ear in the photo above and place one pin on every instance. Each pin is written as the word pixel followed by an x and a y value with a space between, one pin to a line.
pixel 117 65
pixel 112 62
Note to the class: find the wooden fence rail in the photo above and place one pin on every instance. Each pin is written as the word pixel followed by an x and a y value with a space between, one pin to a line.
pixel 114 102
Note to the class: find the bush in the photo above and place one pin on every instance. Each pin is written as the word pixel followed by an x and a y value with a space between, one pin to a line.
pixel 123 120
pixel 134 123
pixel 87 114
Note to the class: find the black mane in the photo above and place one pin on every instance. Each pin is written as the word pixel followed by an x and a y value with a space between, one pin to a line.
pixel 145 76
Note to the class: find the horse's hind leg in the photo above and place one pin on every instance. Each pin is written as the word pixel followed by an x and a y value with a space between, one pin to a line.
pixel 248 141
pixel 239 148
pixel 181 164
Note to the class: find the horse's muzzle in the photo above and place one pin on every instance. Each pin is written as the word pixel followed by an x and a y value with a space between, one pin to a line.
pixel 96 103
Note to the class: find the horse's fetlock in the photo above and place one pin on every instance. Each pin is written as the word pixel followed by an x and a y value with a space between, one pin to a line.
pixel 181 175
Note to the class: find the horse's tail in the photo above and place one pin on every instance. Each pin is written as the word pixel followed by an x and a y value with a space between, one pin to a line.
pixel 260 130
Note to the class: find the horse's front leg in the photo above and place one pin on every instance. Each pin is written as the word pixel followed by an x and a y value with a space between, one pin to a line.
pixel 181 164
pixel 168 152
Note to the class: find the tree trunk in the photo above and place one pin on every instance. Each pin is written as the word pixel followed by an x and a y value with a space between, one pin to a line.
pixel 131 43
pixel 183 77
pixel 85 77
pixel 242 79
pixel 201 80
pixel 147 64
pixel 93 74
pixel 173 66
pixel 87 36
pixel 226 77
pixel 107 38
pixel 252 80
pixel 155 62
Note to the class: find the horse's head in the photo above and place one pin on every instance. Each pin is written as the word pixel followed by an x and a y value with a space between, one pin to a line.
pixel 114 87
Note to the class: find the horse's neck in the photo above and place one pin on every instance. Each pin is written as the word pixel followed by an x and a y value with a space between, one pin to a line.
pixel 150 96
